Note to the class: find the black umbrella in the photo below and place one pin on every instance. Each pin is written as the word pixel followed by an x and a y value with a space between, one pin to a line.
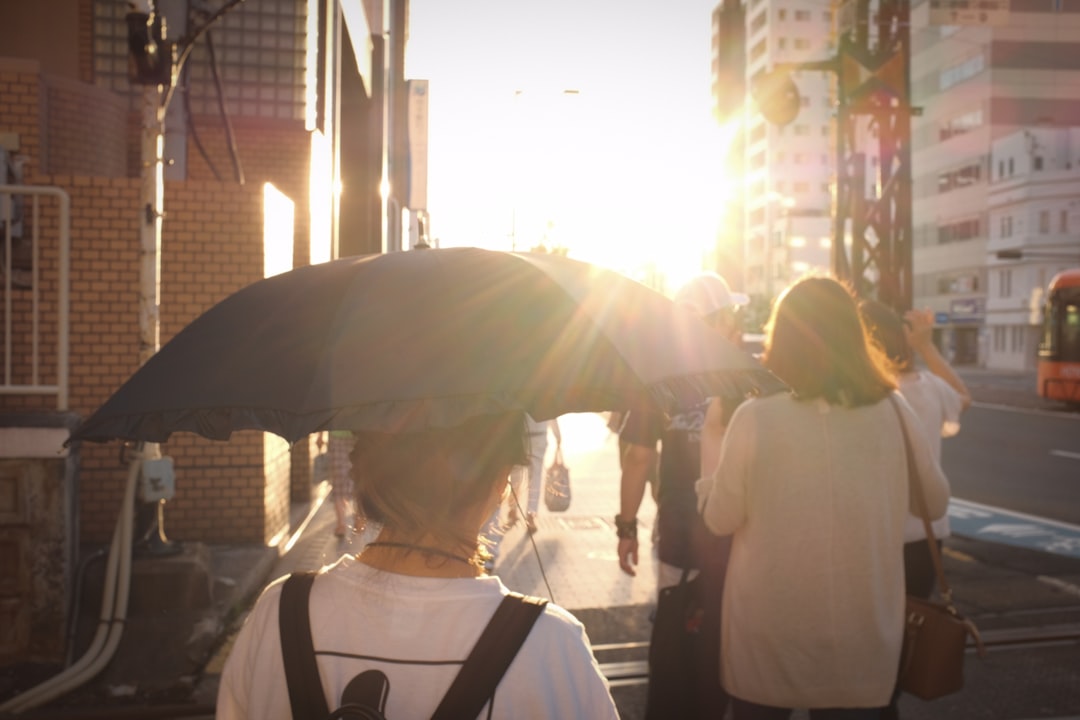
pixel 424 338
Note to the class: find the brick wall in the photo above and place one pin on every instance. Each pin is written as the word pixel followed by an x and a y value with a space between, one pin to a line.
pixel 22 100
pixel 86 129
pixel 211 246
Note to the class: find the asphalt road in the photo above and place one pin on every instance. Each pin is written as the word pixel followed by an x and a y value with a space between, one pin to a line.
pixel 1022 460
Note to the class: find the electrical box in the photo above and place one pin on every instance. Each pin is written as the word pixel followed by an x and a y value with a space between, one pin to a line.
pixel 157 481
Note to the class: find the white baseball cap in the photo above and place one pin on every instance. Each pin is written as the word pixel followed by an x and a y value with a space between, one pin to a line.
pixel 708 293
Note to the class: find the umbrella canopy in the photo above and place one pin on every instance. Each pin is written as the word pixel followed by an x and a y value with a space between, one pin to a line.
pixel 419 339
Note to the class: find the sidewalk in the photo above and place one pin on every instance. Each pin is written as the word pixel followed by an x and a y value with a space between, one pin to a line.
pixel 1006 592
pixel 1009 592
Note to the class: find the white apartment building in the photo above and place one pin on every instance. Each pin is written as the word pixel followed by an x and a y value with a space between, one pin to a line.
pixel 978 84
pixel 1034 212
pixel 789 170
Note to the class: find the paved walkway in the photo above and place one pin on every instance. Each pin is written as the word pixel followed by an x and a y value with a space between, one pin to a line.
pixel 575 550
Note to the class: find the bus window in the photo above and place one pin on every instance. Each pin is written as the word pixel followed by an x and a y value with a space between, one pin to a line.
pixel 1069 349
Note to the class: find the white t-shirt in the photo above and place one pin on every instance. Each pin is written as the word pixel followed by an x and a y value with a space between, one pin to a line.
pixel 816 497
pixel 938 407
pixel 417 631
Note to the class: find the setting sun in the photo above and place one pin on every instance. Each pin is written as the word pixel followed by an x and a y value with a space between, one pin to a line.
pixel 575 133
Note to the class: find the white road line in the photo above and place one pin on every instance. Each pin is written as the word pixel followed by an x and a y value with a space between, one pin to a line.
pixel 979 510
pixel 1060 585
pixel 1066 454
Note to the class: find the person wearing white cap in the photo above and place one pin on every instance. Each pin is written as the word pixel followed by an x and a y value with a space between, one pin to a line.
pixel 684 543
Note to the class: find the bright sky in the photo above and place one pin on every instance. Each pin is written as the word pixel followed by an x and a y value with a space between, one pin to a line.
pixel 623 172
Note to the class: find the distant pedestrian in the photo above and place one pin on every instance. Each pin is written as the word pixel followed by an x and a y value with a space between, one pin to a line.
pixel 938 396
pixel 813 484
pixel 533 473
pixel 339 445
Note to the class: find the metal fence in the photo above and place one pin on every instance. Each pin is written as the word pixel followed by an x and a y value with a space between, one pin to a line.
pixel 26 228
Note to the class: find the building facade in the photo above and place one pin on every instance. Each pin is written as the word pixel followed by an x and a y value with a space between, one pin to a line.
pixel 977 83
pixel 252 157
pixel 789 169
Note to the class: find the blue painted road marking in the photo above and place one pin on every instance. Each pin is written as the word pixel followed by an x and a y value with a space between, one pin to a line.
pixel 983 522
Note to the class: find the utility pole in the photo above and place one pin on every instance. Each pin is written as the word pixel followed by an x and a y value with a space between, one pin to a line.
pixel 872 229
pixel 874 79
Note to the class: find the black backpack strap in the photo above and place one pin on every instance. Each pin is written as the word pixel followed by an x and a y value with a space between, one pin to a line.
pixel 487 663
pixel 297 651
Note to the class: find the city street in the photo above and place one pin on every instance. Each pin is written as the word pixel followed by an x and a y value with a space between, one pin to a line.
pixel 1025 601
pixel 1028 461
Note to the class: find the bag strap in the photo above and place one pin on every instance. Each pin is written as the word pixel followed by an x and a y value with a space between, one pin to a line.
pixel 931 541
pixel 920 503
pixel 474 685
pixel 294 626
pixel 487 663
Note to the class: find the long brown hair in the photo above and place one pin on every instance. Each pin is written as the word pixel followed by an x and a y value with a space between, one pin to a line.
pixel 424 483
pixel 886 328
pixel 817 344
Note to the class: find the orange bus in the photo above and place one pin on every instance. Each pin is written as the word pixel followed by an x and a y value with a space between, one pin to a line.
pixel 1059 351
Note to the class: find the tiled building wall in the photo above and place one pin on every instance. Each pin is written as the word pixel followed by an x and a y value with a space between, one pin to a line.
pixel 86 130
pixel 22 99
pixel 212 245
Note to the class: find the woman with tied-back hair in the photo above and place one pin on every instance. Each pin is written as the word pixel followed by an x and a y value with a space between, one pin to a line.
pixel 412 604
pixel 938 396
pixel 813 486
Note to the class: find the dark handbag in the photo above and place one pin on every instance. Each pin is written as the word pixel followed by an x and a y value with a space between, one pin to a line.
pixel 557 485
pixel 684 653
pixel 935 633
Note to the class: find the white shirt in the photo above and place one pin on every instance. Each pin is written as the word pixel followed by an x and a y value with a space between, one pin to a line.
pixel 816 496
pixel 417 631
pixel 938 407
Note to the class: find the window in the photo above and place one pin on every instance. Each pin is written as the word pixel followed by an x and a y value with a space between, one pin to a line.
pixel 824 131
pixel 1044 222
pixel 781 43
pixel 960 177
pixel 1005 227
pixel 802 15
pixel 758 21
pixel 957 231
pixel 1037 163
pixel 999 339
pixel 759 49
pixel 781 14
pixel 1017 338
pixel 801 187
pixel 1010 167
pixel 802 44
pixel 802 130
pixel 261 54
pixel 960 125
pixel 798 158
pixel 1004 283
pixel 1063 222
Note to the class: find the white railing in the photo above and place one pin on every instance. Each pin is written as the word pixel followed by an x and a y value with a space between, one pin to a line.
pixel 11 198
